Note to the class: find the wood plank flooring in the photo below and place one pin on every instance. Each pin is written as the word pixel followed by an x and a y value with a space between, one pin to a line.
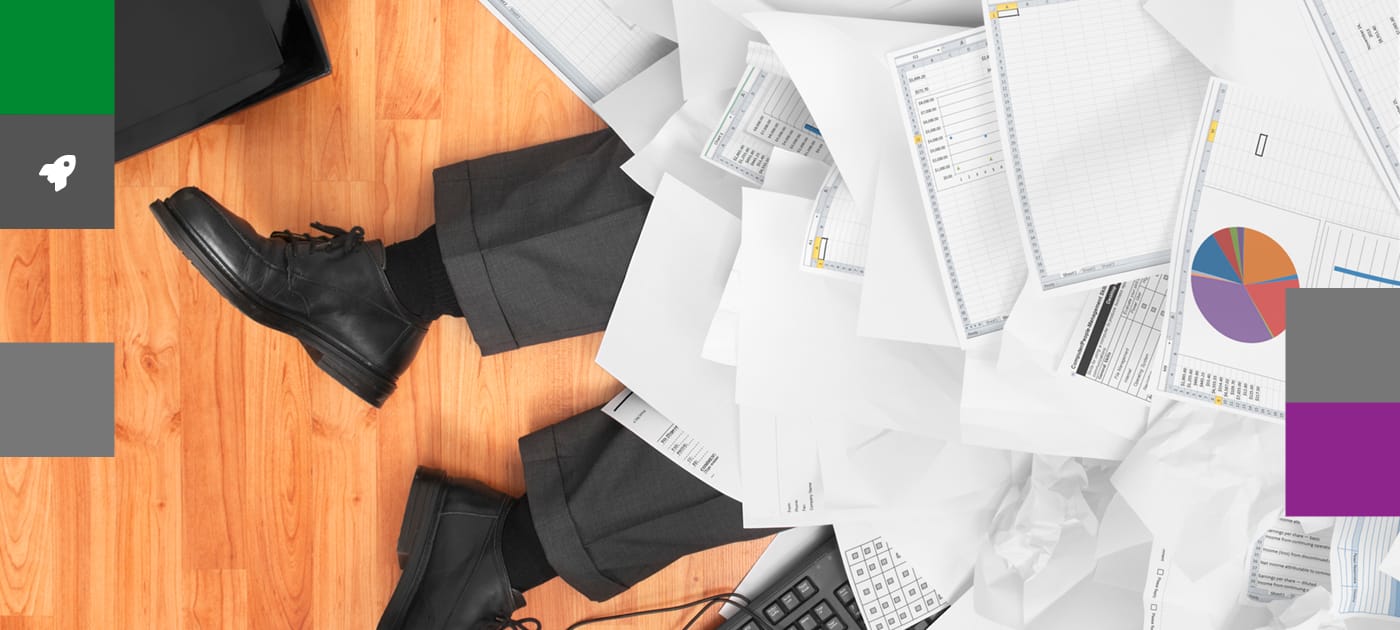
pixel 249 490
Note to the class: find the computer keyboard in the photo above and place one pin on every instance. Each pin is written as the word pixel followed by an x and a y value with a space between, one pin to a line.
pixel 813 595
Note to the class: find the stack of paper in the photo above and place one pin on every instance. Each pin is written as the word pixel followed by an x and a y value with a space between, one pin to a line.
pixel 998 288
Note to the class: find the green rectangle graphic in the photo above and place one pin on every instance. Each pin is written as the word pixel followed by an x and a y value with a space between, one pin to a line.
pixel 57 57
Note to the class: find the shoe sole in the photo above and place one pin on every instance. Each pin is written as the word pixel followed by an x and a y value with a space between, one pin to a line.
pixel 342 365
pixel 416 537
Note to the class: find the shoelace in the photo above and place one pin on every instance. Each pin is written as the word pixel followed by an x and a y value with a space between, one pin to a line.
pixel 338 238
pixel 530 623
pixel 520 624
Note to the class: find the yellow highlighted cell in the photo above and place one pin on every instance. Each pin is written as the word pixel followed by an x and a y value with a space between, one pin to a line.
pixel 1214 124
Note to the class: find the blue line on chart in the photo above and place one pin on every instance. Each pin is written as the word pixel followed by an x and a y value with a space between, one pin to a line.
pixel 1352 272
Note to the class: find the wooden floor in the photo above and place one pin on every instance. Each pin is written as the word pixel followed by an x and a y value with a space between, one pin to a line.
pixel 248 489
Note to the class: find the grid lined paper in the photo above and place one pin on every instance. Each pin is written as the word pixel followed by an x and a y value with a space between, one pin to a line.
pixel 583 41
pixel 1099 104
pixel 1359 39
pixel 945 88
pixel 838 233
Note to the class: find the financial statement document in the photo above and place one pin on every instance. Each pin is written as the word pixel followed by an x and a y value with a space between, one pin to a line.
pixel 765 112
pixel 1116 337
pixel 583 41
pixel 1277 196
pixel 950 114
pixel 1097 103
pixel 1358 40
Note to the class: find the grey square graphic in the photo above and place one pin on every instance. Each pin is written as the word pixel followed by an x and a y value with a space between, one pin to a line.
pixel 29 201
pixel 1342 345
pixel 57 399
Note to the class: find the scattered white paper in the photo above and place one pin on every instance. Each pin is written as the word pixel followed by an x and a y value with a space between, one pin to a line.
pixel 839 65
pixel 765 113
pixel 1193 462
pixel 675 152
pixel 1391 565
pixel 1255 43
pixel 663 311
pixel 797 349
pixel 714 48
pixel 1043 539
pixel 1359 587
pixel 718 469
pixel 637 109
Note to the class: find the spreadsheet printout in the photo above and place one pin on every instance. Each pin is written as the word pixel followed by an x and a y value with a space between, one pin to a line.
pixel 1277 197
pixel 945 89
pixel 1118 334
pixel 1359 587
pixel 888 589
pixel 1358 39
pixel 587 45
pixel 1098 103
pixel 766 111
pixel 838 232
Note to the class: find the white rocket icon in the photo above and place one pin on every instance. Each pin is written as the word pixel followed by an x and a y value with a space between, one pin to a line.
pixel 58 172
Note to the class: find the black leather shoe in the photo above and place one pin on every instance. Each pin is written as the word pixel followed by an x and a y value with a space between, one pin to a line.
pixel 450 551
pixel 329 292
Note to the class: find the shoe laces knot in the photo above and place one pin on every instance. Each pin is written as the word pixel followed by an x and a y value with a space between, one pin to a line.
pixel 528 623
pixel 334 239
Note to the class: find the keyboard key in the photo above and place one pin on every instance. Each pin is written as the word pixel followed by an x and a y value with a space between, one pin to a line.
pixel 773 612
pixel 751 625
pixel 844 593
pixel 854 610
pixel 808 622
pixel 835 623
pixel 805 589
pixel 790 601
pixel 823 610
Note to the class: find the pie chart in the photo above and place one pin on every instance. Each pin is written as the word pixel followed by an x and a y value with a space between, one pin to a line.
pixel 1239 278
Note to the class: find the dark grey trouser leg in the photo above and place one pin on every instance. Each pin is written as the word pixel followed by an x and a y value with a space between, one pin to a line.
pixel 611 510
pixel 537 241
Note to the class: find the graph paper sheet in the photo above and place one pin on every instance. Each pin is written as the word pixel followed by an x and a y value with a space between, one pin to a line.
pixel 1276 197
pixel 1117 334
pixel 1359 587
pixel 888 589
pixel 1358 38
pixel 583 41
pixel 765 112
pixel 838 232
pixel 945 89
pixel 1097 102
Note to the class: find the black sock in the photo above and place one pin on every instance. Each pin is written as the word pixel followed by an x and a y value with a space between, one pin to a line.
pixel 419 278
pixel 526 564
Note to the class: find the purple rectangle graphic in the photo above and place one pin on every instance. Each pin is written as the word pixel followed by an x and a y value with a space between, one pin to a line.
pixel 1342 459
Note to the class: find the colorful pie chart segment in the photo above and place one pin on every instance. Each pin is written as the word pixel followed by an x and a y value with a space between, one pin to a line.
pixel 1239 279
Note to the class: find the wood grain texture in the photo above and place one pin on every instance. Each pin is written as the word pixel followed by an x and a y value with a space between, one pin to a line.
pixel 248 489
